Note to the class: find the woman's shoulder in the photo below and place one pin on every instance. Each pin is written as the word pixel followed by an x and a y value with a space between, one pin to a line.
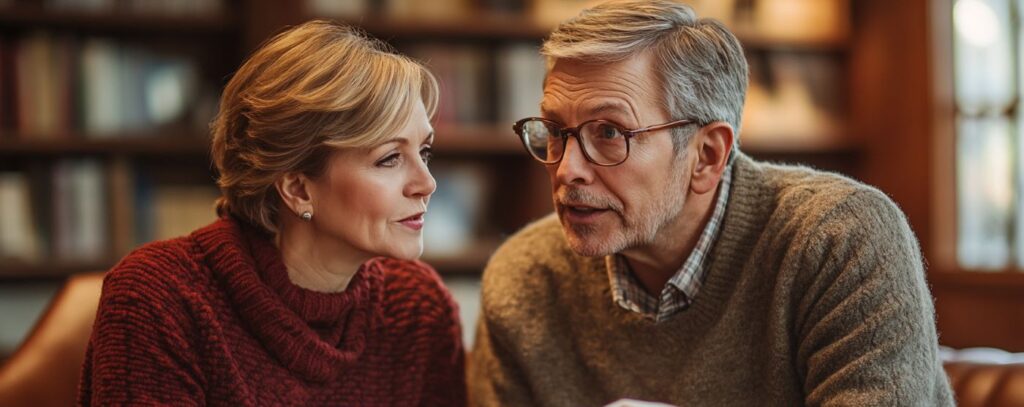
pixel 159 269
pixel 414 282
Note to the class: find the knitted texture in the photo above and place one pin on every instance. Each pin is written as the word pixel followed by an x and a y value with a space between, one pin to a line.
pixel 815 295
pixel 213 319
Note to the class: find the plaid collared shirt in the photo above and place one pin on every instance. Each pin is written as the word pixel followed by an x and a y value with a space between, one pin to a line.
pixel 684 285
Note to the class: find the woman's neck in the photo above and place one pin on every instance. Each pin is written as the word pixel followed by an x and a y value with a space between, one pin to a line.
pixel 315 262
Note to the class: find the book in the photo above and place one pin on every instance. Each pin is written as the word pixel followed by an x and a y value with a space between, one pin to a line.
pixel 520 73
pixel 180 209
pixel 460 72
pixel 19 236
pixel 80 230
pixel 455 211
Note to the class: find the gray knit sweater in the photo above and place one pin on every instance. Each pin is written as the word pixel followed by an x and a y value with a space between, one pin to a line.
pixel 815 295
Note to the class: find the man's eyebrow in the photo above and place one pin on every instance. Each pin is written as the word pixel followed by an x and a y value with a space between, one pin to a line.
pixel 606 107
pixel 549 114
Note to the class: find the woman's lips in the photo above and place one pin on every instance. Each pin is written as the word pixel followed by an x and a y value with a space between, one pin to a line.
pixel 414 222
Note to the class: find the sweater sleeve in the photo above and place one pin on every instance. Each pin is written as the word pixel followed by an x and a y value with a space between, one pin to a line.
pixel 865 324
pixel 446 384
pixel 139 351
pixel 495 378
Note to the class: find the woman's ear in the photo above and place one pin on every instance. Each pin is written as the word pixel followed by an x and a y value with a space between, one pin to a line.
pixel 715 143
pixel 295 190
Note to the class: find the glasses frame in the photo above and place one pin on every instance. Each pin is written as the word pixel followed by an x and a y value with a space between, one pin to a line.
pixel 564 132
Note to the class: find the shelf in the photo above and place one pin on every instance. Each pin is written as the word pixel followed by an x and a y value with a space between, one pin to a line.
pixel 816 145
pixel 481 27
pixel 21 271
pixel 987 282
pixel 752 39
pixel 511 27
pixel 116 22
pixel 478 139
pixel 121 144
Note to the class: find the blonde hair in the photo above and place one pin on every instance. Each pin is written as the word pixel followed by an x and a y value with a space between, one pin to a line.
pixel 314 88
pixel 699 62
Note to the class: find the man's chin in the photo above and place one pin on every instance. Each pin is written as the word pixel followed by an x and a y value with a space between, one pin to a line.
pixel 589 244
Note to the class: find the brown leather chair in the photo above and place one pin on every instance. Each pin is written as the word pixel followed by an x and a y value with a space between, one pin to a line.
pixel 978 384
pixel 45 369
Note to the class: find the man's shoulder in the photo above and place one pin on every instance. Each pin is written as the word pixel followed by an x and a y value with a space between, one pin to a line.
pixel 811 194
pixel 529 262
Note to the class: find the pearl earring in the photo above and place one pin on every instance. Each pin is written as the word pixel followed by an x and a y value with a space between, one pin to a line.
pixel 307 215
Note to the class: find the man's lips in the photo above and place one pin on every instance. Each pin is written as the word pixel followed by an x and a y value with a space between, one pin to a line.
pixel 580 212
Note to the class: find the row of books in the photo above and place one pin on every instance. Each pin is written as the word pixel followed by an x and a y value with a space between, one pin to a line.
pixel 70 211
pixel 782 20
pixel 65 213
pixel 151 7
pixel 413 9
pixel 792 96
pixel 465 77
pixel 63 218
pixel 53 85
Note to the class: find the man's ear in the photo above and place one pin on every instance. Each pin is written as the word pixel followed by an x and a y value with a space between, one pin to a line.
pixel 714 144
pixel 295 190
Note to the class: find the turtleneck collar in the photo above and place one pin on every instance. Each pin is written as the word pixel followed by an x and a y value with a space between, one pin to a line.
pixel 314 334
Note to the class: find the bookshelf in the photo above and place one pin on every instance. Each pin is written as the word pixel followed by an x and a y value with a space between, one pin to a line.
pixel 103 109
pixel 481 168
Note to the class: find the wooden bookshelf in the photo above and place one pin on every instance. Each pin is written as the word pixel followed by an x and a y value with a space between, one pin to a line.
pixel 477 139
pixel 489 27
pixel 478 28
pixel 14 271
pixel 222 40
pixel 140 143
pixel 36 18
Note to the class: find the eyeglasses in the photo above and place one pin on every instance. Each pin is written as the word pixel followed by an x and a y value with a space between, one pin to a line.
pixel 603 142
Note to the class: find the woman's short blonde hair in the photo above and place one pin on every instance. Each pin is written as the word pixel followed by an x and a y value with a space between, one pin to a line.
pixel 309 90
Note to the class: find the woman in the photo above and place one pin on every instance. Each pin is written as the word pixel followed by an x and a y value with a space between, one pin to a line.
pixel 322 145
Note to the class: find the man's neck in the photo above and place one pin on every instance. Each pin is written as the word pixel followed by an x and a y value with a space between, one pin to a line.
pixel 656 263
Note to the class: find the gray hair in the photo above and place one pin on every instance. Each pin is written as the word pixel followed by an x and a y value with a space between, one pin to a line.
pixel 700 63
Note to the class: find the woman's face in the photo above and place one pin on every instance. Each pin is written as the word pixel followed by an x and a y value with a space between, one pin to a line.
pixel 373 199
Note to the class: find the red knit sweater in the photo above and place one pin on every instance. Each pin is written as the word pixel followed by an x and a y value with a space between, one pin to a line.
pixel 212 319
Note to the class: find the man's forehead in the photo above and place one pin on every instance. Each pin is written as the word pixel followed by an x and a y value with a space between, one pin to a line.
pixel 590 107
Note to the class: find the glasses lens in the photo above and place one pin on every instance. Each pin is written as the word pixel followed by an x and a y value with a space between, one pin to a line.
pixel 542 140
pixel 604 142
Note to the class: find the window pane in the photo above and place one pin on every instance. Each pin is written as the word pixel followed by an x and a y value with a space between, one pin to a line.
pixel 984 55
pixel 984 191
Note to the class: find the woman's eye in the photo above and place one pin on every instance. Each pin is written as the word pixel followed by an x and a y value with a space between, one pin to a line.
pixel 389 161
pixel 426 154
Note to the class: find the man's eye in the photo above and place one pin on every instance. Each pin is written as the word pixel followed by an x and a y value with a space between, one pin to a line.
pixel 608 132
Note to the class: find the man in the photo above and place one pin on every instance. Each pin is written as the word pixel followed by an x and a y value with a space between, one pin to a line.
pixel 679 270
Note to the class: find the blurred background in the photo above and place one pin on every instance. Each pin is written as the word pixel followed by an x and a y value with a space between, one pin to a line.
pixel 104 107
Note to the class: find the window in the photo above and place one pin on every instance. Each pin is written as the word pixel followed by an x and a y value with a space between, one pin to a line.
pixel 989 146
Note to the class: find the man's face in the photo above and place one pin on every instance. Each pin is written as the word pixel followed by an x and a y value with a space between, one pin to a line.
pixel 605 210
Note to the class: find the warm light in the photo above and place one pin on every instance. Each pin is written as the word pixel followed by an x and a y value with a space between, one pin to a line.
pixel 976 22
